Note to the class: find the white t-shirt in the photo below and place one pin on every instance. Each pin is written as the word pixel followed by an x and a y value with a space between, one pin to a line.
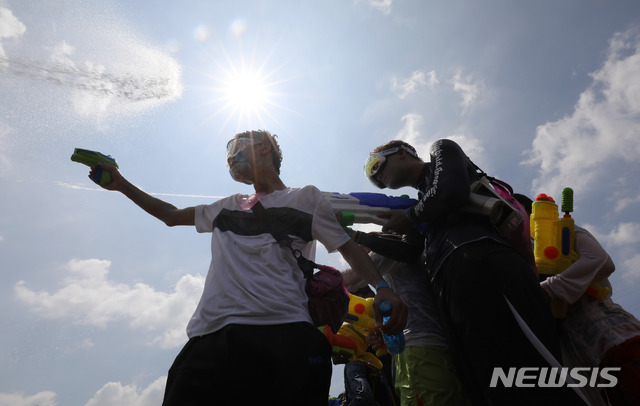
pixel 252 280
pixel 591 327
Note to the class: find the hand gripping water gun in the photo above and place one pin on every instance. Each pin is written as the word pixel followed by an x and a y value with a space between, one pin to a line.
pixel 364 207
pixel 362 319
pixel 395 343
pixel 359 321
pixel 554 243
pixel 91 158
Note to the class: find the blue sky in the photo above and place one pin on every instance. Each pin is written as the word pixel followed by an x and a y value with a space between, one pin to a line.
pixel 95 294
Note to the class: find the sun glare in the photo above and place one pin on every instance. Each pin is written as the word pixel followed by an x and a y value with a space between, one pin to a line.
pixel 245 95
pixel 246 92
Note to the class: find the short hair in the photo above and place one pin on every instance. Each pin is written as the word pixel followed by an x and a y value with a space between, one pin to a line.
pixel 396 144
pixel 264 135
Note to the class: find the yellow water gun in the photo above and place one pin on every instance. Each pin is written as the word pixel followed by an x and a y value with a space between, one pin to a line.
pixel 554 243
pixel 359 321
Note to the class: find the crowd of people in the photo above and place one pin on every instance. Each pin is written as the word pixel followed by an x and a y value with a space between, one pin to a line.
pixel 465 295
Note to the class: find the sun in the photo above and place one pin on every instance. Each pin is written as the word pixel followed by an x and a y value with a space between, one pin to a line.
pixel 246 92
pixel 246 95
pixel 247 86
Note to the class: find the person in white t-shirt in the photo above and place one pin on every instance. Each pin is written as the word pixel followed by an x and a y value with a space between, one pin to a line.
pixel 251 340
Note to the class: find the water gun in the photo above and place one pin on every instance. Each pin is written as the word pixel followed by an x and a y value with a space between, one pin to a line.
pixel 554 243
pixel 91 158
pixel 361 312
pixel 395 343
pixel 360 337
pixel 364 207
pixel 359 321
pixel 341 344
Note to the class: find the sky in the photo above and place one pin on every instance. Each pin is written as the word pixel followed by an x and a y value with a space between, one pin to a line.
pixel 95 294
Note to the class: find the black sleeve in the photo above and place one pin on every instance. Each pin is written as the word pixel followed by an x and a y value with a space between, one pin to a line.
pixel 408 249
pixel 447 185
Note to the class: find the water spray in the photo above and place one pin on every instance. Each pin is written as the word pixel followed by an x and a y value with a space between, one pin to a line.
pixel 129 87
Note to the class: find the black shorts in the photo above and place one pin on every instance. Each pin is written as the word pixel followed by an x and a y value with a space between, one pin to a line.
pixel 286 364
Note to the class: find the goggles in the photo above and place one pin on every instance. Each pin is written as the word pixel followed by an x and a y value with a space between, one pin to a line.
pixel 235 147
pixel 236 159
pixel 376 162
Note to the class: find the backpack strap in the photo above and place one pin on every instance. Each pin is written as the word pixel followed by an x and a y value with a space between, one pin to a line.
pixel 491 179
pixel 306 266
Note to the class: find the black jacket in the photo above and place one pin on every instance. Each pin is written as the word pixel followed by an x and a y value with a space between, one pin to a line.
pixel 443 189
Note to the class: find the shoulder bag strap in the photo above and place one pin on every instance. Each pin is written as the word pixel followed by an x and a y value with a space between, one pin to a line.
pixel 492 179
pixel 305 265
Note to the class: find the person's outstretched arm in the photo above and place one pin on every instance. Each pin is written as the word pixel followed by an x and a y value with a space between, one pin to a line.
pixel 362 264
pixel 166 212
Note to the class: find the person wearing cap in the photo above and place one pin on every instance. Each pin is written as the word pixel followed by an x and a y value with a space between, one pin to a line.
pixel 473 271
pixel 251 338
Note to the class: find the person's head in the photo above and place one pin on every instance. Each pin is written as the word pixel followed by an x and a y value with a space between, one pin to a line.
pixel 525 201
pixel 249 150
pixel 388 165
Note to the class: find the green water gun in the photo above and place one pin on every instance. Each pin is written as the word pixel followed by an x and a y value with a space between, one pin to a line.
pixel 91 158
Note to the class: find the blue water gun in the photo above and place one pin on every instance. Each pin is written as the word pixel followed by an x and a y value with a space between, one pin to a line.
pixel 364 207
pixel 395 343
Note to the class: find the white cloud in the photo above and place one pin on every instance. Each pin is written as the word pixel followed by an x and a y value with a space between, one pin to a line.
pixel 384 6
pixel 10 27
pixel 623 238
pixel 623 234
pixel 602 130
pixel 115 394
pixel 404 87
pixel 60 56
pixel 5 162
pixel 87 343
pixel 410 133
pixel 471 146
pixel 630 269
pixel 468 89
pixel 45 398
pixel 88 297
pixel 624 202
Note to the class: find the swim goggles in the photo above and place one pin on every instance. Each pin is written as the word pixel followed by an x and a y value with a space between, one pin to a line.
pixel 376 162
pixel 235 147
pixel 237 159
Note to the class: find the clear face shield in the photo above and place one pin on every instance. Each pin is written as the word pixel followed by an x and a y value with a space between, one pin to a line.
pixel 237 161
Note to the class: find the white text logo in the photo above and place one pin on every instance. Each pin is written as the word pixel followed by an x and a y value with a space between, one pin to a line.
pixel 554 377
